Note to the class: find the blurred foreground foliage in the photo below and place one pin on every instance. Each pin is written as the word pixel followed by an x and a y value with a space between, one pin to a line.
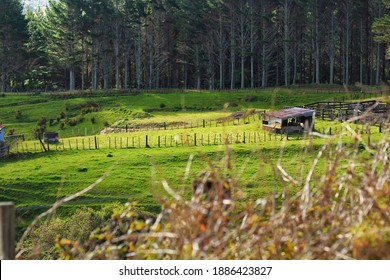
pixel 343 213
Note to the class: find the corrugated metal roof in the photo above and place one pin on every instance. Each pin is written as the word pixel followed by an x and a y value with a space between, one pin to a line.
pixel 294 112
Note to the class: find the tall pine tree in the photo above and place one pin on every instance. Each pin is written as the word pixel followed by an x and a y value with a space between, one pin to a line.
pixel 13 36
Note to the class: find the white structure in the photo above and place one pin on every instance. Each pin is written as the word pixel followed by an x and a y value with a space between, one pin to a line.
pixel 2 133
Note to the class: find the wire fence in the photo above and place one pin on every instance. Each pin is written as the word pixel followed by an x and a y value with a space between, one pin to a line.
pixel 175 140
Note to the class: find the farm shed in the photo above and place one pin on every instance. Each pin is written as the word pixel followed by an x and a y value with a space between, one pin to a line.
pixel 289 120
pixel 51 137
pixel 2 133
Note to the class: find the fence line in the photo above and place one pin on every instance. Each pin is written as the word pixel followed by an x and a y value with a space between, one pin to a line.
pixel 173 140
pixel 79 132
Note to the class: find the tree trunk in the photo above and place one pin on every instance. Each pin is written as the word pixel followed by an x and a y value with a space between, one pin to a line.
pixel 138 58
pixel 150 65
pixel 158 64
pixel 361 52
pixel 377 64
pixel 286 38
pixel 197 67
pixel 232 53
pixel 252 45
pixel 317 47
pixel 221 55
pixel 71 78
pixel 116 45
pixel 94 64
pixel 264 61
pixel 242 46
pixel 347 42
pixel 332 50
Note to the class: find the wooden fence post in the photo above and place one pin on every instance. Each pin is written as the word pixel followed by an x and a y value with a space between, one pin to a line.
pixel 194 139
pixel 147 142
pixel 7 231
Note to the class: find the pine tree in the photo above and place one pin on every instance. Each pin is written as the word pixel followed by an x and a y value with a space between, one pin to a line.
pixel 13 36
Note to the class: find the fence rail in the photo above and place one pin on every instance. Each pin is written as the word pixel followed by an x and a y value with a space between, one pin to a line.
pixel 144 127
pixel 346 110
pixel 173 140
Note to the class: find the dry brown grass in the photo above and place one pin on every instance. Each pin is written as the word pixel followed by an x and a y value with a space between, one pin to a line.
pixel 342 214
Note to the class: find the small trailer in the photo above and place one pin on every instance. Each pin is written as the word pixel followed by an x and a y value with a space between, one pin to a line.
pixel 51 137
pixel 2 133
pixel 289 120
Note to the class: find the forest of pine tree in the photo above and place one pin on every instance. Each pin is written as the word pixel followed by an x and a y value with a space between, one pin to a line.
pixel 192 44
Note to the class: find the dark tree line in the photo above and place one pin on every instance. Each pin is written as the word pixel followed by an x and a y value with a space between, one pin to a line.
pixel 201 44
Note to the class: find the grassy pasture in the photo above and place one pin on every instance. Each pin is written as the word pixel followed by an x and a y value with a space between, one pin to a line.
pixel 21 112
pixel 35 180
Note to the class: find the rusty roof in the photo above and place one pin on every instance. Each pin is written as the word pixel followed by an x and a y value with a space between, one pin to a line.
pixel 290 113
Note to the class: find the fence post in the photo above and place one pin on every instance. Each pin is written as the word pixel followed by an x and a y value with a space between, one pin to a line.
pixel 7 231
pixel 380 127
pixel 147 142
pixel 194 139
pixel 204 124
pixel 95 143
pixel 159 141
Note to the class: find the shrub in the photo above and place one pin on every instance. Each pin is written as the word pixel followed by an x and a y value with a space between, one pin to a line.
pixel 11 132
pixel 18 114
pixel 93 120
pixel 41 242
pixel 41 121
pixel 74 121
pixel 250 98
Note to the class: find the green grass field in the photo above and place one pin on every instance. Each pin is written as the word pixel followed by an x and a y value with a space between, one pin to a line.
pixel 34 179
pixel 21 112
